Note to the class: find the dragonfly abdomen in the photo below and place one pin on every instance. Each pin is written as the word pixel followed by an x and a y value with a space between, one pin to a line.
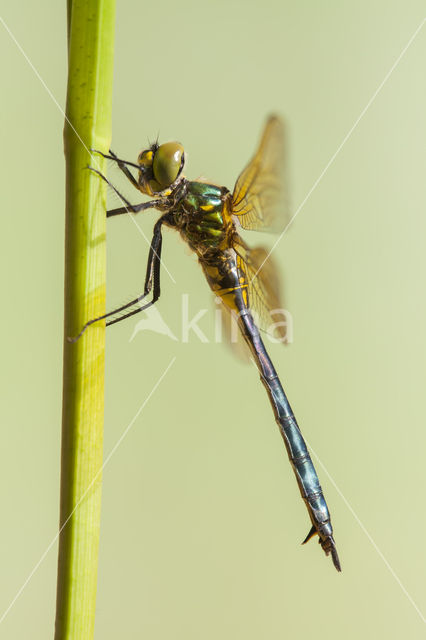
pixel 304 470
pixel 230 285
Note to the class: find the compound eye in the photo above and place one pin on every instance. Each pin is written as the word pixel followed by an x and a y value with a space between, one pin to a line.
pixel 145 158
pixel 168 163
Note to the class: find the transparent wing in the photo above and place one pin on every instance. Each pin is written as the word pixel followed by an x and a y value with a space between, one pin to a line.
pixel 264 299
pixel 260 199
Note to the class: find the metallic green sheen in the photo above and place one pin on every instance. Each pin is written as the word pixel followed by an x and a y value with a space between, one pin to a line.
pixel 200 194
pixel 200 210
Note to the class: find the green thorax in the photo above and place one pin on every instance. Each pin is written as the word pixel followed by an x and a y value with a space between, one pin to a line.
pixel 199 214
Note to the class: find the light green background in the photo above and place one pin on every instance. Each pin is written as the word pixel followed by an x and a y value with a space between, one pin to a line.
pixel 201 519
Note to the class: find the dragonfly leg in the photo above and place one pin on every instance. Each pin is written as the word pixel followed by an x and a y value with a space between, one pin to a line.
pixel 122 165
pixel 132 208
pixel 152 280
pixel 128 208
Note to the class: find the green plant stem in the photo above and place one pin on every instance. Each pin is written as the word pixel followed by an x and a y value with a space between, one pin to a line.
pixel 88 126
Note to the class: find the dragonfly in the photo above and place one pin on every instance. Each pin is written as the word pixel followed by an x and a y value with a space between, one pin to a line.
pixel 208 218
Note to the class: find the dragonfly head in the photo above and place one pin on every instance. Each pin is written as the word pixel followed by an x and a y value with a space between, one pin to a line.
pixel 161 168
